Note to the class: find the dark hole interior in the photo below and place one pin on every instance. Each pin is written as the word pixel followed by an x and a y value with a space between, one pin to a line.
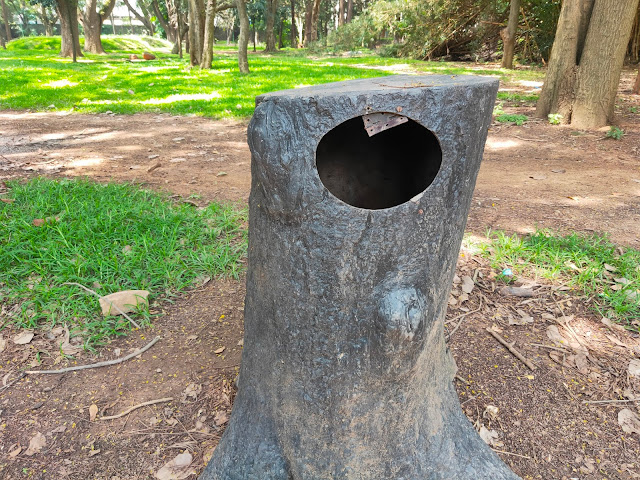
pixel 377 172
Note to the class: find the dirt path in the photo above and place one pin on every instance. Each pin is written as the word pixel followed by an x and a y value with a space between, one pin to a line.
pixel 532 176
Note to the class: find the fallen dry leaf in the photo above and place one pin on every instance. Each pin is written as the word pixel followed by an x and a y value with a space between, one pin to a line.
pixel 23 338
pixel 613 326
pixel 467 284
pixel 3 344
pixel 582 364
pixel 610 268
pixel 555 336
pixel 220 418
pixel 16 452
pixel 7 200
pixel 219 350
pixel 517 292
pixel 38 222
pixel 629 421
pixel 490 437
pixel 35 444
pixel 93 452
pixel 93 411
pixel 126 300
pixel 177 469
pixel 192 391
pixel 634 368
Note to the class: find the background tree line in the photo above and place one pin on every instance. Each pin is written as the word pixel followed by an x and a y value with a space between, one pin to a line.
pixel 583 42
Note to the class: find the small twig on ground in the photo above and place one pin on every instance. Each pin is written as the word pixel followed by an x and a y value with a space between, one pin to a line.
pixel 509 453
pixel 612 401
pixel 549 347
pixel 458 377
pixel 509 346
pixel 135 407
pixel 461 319
pixel 99 364
pixel 112 304
pixel 20 377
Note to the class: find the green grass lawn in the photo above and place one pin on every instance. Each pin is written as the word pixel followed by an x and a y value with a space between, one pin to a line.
pixel 592 265
pixel 107 238
pixel 32 76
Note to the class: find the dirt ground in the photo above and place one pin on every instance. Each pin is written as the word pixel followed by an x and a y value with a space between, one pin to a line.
pixel 539 421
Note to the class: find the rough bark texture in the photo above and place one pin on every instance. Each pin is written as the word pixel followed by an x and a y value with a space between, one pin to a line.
pixel 270 12
pixel 5 20
pixel 294 33
pixel 209 27
pixel 68 13
pixel 586 61
pixel 345 371
pixel 349 11
pixel 636 87
pixel 340 13
pixel 196 30
pixel 509 35
pixel 601 62
pixel 243 37
pixel 92 20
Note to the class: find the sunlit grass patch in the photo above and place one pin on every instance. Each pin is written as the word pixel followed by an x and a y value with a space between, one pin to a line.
pixel 592 265
pixel 108 238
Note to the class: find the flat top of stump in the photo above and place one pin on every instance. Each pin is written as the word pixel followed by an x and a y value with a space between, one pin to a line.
pixel 408 84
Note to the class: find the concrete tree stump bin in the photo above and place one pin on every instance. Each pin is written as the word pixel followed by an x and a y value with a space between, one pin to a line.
pixel 359 199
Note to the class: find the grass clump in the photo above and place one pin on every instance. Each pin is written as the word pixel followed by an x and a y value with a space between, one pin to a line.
pixel 512 118
pixel 590 264
pixel 615 132
pixel 109 238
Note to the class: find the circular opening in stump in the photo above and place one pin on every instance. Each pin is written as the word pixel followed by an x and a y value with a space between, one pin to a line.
pixel 382 171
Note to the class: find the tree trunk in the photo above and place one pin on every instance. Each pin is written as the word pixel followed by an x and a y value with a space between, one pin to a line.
pixel 315 13
pixel 509 35
pixel 48 21
pixel 340 13
pixel 294 34
pixel 280 32
pixel 349 11
pixel 196 30
pixel 307 21
pixel 207 45
pixel 143 18
pixel 586 61
pixel 92 23
pixel 5 20
pixel 2 42
pixel 243 38
pixel 70 42
pixel 270 11
pixel 345 370
pixel 636 87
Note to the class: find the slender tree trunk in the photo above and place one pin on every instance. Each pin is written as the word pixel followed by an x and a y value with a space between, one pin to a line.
pixel 243 38
pixel 340 13
pixel 636 87
pixel 509 35
pixel 280 44
pixel 307 22
pixel 113 23
pixel 254 34
pixel 207 45
pixel 144 18
pixel 349 11
pixel 294 33
pixel 5 20
pixel 271 9
pixel 68 13
pixel 2 42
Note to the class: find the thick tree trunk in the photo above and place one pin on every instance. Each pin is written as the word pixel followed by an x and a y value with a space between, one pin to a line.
pixel 196 30
pixel 243 38
pixel 586 60
pixel 5 20
pixel 270 12
pixel 601 62
pixel 345 370
pixel 509 35
pixel 349 11
pixel 311 22
pixel 340 13
pixel 207 45
pixel 70 42
pixel 92 23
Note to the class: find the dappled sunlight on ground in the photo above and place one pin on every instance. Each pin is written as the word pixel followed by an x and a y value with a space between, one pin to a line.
pixel 497 143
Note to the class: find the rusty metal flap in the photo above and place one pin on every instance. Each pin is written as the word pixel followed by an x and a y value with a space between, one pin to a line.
pixel 379 122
